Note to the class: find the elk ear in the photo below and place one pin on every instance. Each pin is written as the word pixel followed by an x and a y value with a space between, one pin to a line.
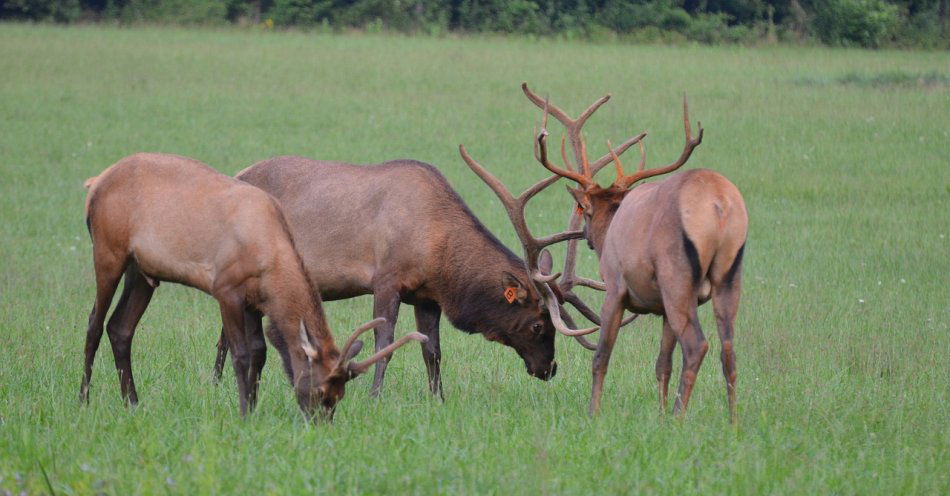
pixel 308 348
pixel 354 350
pixel 583 201
pixel 546 262
pixel 513 290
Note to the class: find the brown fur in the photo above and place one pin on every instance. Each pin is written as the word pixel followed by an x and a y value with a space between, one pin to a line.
pixel 642 237
pixel 398 230
pixel 664 248
pixel 161 217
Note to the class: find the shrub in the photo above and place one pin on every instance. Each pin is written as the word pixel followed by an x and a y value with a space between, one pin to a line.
pixel 866 23
pixel 42 10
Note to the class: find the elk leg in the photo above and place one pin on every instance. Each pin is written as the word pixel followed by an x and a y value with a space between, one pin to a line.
pixel 725 304
pixel 220 357
pixel 427 323
pixel 257 351
pixel 385 305
pixel 610 315
pixel 664 363
pixel 690 337
pixel 135 298
pixel 232 317
pixel 108 272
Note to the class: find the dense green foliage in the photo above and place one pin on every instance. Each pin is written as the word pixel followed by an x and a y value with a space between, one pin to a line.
pixel 841 336
pixel 866 23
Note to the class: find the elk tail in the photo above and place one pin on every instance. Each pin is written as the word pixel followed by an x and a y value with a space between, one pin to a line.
pixel 89 184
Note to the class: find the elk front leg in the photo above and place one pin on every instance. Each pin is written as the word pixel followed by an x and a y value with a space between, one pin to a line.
pixel 220 357
pixel 108 272
pixel 664 363
pixel 135 298
pixel 257 352
pixel 385 305
pixel 610 316
pixel 232 318
pixel 427 323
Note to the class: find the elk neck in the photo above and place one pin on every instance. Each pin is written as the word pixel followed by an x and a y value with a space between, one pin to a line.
pixel 604 203
pixel 472 292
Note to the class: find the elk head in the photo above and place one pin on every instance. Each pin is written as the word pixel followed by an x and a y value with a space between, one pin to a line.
pixel 542 286
pixel 524 324
pixel 595 203
pixel 322 382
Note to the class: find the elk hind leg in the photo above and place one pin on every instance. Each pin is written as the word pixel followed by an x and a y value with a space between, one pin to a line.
pixel 108 273
pixel 610 316
pixel 664 363
pixel 135 298
pixel 725 298
pixel 689 334
pixel 427 323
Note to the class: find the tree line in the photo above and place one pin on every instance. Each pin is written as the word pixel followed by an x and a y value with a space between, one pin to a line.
pixel 865 23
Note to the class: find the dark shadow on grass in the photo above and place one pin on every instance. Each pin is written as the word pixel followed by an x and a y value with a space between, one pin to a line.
pixel 932 80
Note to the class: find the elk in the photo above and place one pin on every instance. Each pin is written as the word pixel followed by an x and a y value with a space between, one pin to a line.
pixel 664 248
pixel 157 217
pixel 398 231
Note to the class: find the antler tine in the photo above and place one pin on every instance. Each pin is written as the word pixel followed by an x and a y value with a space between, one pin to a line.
pixel 515 208
pixel 542 102
pixel 580 339
pixel 567 162
pixel 616 158
pixel 573 126
pixel 352 339
pixel 691 144
pixel 360 367
pixel 599 164
pixel 643 157
pixel 555 313
pixel 579 178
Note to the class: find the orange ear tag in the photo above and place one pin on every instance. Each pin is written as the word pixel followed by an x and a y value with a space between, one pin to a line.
pixel 579 209
pixel 511 294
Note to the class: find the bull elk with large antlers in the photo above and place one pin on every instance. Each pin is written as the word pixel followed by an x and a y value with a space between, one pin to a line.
pixel 398 231
pixel 158 217
pixel 664 248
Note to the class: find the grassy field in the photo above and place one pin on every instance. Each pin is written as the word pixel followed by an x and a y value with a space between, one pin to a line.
pixel 842 335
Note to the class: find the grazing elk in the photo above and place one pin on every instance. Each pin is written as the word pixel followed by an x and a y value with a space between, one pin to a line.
pixel 161 217
pixel 398 231
pixel 664 248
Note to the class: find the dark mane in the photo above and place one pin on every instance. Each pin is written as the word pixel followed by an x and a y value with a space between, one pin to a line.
pixel 454 198
pixel 273 334
pixel 477 303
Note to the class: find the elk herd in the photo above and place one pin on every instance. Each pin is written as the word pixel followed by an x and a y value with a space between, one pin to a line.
pixel 288 233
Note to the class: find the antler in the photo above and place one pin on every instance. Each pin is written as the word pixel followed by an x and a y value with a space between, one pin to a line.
pixel 625 181
pixel 345 351
pixel 584 177
pixel 532 246
pixel 574 133
pixel 357 368
pixel 515 209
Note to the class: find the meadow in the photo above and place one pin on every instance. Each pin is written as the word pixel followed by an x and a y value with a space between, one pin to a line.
pixel 841 336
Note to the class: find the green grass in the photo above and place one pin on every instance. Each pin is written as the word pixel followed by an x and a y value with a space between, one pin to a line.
pixel 841 337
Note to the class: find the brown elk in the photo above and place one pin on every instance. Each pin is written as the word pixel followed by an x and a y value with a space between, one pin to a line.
pixel 158 217
pixel 664 248
pixel 399 231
